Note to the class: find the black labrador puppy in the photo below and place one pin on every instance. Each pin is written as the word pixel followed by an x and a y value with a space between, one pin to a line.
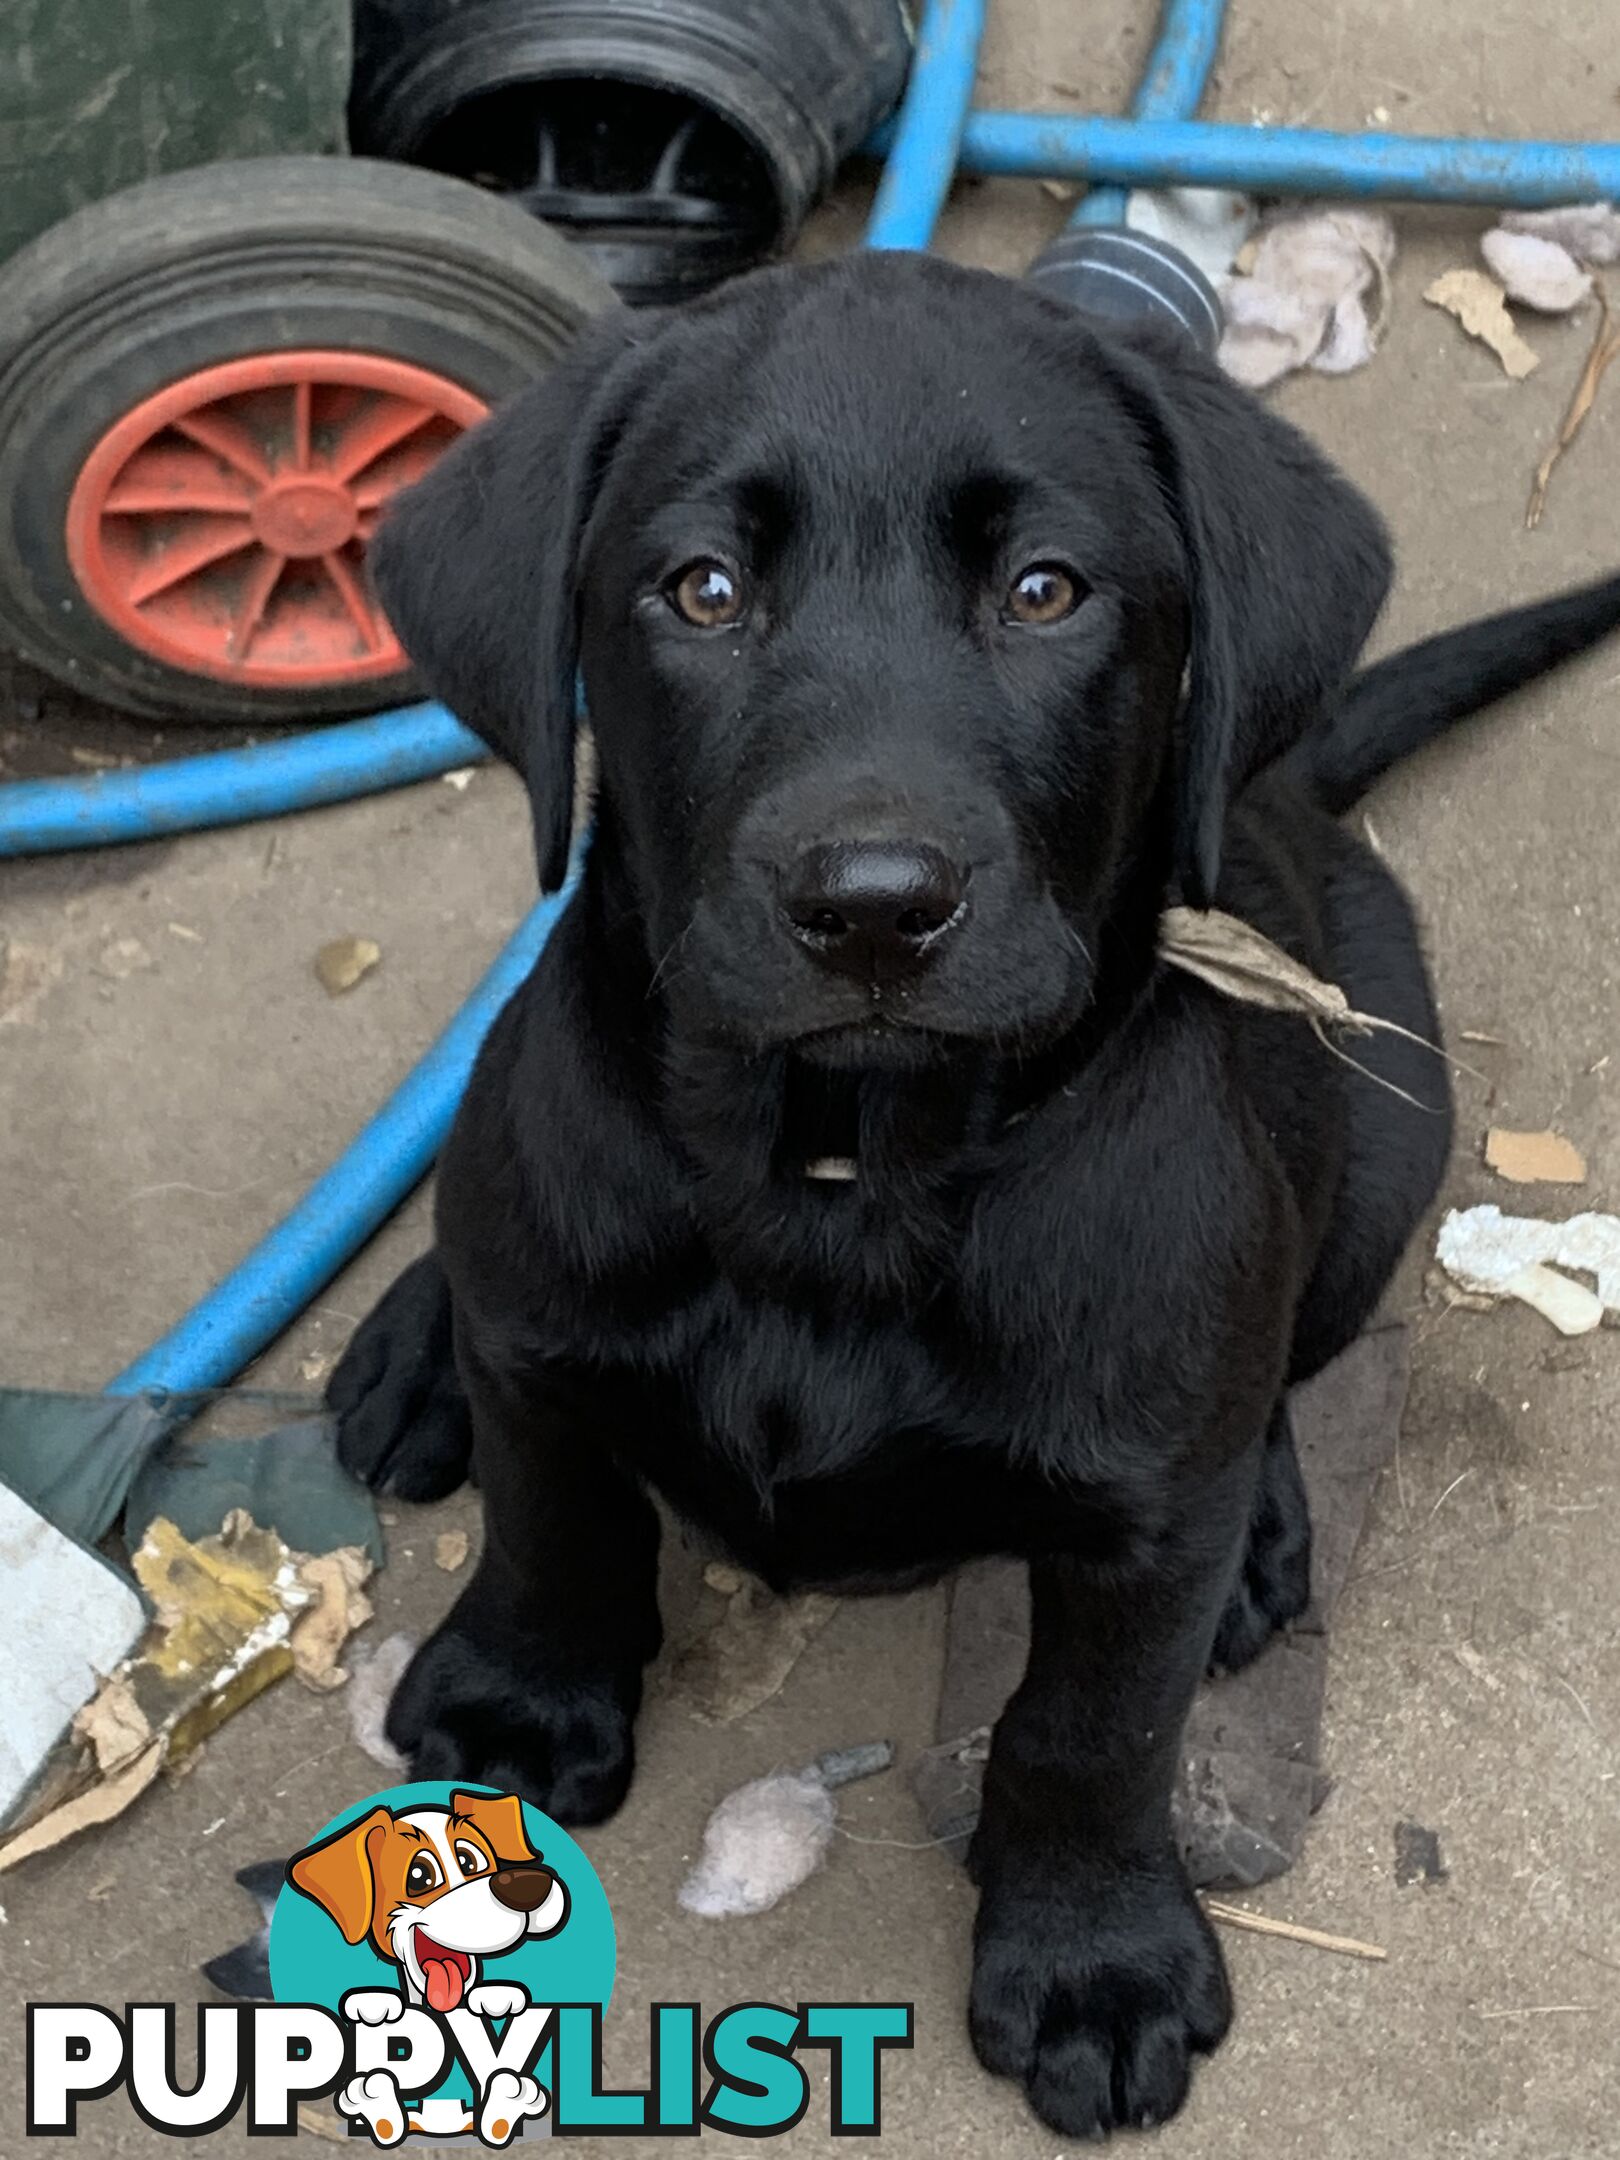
pixel 850 1171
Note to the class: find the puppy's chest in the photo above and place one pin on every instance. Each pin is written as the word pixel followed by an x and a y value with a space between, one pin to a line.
pixel 827 1450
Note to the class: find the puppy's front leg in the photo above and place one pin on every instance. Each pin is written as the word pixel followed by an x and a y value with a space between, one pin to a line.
pixel 533 1681
pixel 1096 1976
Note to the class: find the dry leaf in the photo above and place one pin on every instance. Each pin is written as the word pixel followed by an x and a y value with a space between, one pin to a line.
pixel 115 1725
pixel 100 1804
pixel 339 1607
pixel 1534 1158
pixel 1480 306
pixel 1605 345
pixel 744 1658
pixel 1238 961
pixel 1241 963
pixel 342 963
pixel 450 1550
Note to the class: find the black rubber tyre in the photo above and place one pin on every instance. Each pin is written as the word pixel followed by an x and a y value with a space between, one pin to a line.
pixel 221 263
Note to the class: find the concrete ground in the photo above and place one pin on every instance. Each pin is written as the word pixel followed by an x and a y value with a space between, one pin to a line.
pixel 157 1118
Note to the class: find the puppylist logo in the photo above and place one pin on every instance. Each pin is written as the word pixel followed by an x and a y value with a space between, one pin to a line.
pixel 441 1957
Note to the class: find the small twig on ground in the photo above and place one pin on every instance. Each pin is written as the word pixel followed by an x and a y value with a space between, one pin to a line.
pixel 1605 347
pixel 1450 1489
pixel 1543 2010
pixel 1238 1916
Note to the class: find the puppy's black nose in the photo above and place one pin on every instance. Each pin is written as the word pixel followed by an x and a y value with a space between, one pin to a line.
pixel 521 1889
pixel 873 907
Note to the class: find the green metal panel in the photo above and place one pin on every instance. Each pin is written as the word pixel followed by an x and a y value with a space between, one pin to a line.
pixel 96 94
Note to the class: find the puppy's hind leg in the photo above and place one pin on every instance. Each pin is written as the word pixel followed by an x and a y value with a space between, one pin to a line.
pixel 1273 1586
pixel 403 1425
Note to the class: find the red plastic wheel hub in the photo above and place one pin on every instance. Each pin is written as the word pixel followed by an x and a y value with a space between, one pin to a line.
pixel 221 525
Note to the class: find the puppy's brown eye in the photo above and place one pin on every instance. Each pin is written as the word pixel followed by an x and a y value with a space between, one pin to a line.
pixel 470 1860
pixel 421 1876
pixel 1044 593
pixel 707 595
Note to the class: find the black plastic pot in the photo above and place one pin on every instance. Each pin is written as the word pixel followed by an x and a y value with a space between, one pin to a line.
pixel 677 141
pixel 1122 276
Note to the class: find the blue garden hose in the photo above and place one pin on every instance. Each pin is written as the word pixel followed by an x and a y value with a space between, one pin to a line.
pixel 927 132
pixel 267 1291
pixel 1292 161
pixel 228 787
pixel 379 1168
pixel 1171 88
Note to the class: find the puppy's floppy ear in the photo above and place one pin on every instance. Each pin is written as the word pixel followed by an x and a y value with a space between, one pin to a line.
pixel 1287 566
pixel 499 1820
pixel 337 1873
pixel 477 567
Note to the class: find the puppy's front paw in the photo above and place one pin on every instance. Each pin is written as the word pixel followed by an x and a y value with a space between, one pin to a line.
pixel 488 1713
pixel 375 2098
pixel 373 2006
pixel 508 2099
pixel 497 1999
pixel 403 1425
pixel 1096 1995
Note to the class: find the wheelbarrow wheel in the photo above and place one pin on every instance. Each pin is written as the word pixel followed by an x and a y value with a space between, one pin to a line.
pixel 211 384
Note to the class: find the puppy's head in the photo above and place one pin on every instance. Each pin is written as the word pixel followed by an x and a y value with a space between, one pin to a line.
pixel 919 623
pixel 435 1888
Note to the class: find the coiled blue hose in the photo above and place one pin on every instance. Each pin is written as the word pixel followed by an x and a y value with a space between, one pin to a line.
pixel 268 1290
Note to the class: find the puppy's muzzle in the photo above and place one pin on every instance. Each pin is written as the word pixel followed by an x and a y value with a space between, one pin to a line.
pixel 875 909
pixel 521 1889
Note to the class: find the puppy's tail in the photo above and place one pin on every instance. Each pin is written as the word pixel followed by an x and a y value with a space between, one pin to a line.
pixel 1403 702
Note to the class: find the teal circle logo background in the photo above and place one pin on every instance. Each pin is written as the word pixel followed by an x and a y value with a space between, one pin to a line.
pixel 311 1963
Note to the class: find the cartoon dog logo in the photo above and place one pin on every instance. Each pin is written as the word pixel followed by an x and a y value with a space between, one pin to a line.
pixel 436 1890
